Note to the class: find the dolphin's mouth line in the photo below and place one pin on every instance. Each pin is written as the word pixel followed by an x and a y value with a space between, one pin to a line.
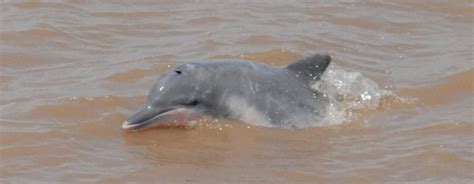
pixel 148 122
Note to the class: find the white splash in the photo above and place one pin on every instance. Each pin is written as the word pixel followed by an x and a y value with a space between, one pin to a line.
pixel 348 92
pixel 247 113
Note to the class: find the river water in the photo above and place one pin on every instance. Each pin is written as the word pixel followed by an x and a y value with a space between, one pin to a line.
pixel 401 86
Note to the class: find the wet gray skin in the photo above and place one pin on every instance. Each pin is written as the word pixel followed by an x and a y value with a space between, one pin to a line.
pixel 252 92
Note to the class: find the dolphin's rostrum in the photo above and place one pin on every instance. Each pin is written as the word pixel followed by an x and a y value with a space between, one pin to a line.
pixel 252 92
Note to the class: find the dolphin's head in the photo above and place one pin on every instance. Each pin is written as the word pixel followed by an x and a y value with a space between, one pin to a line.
pixel 175 93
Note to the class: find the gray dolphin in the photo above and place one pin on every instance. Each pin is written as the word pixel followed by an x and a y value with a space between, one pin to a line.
pixel 252 92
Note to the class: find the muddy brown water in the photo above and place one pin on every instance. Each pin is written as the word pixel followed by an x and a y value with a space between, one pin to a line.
pixel 72 71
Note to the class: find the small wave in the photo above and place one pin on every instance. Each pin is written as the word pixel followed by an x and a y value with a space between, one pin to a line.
pixel 129 15
pixel 42 31
pixel 38 5
pixel 18 60
pixel 136 74
pixel 82 108
pixel 448 90
pixel 276 57
pixel 259 39
pixel 351 96
pixel 444 127
pixel 4 79
pixel 207 20
pixel 130 75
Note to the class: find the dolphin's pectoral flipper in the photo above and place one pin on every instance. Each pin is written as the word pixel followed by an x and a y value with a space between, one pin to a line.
pixel 310 68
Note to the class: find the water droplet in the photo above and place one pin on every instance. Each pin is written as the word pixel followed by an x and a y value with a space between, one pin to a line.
pixel 365 96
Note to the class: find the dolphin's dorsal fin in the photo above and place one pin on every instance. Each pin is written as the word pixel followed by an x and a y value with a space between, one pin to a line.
pixel 310 68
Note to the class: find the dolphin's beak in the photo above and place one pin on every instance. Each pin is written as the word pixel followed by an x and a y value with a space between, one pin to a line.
pixel 145 118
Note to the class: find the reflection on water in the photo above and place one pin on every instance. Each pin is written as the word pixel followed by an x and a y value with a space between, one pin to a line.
pixel 72 71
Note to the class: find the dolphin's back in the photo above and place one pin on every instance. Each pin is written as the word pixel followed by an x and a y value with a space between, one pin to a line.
pixel 267 93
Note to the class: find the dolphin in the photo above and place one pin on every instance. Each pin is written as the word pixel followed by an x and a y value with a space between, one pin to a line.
pixel 255 93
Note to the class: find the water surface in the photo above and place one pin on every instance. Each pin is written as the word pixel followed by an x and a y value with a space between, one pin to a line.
pixel 72 71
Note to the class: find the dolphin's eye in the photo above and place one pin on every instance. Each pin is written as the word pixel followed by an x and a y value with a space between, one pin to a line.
pixel 193 103
pixel 178 72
